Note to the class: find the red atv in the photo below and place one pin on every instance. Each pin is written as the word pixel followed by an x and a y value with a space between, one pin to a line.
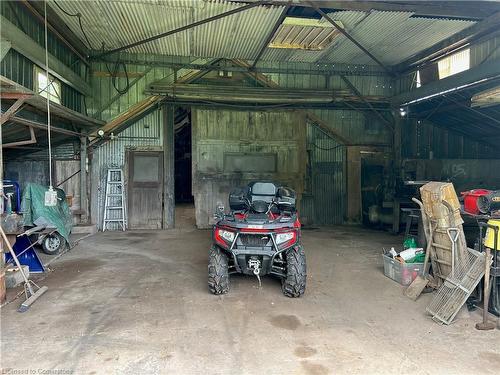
pixel 260 236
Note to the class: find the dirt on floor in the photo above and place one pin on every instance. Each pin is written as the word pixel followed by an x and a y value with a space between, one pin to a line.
pixel 137 302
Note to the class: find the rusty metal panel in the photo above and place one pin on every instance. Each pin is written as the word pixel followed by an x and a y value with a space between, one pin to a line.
pixel 327 164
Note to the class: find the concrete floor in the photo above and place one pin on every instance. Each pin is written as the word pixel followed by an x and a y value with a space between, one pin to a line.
pixel 137 303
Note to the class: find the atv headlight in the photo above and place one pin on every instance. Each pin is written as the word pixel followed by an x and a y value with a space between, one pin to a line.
pixel 226 235
pixel 284 237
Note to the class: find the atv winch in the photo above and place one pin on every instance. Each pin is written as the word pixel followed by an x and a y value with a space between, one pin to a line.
pixel 260 236
pixel 254 263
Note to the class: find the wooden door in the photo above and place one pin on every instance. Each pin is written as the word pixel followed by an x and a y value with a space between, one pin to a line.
pixel 145 189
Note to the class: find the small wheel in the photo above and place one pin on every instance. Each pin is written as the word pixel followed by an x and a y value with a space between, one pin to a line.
pixel 53 244
pixel 294 285
pixel 218 271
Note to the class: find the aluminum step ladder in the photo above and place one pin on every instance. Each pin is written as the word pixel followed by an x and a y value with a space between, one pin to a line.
pixel 115 210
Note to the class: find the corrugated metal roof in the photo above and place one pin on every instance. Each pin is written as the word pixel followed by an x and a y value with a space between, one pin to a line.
pixel 391 36
pixel 117 23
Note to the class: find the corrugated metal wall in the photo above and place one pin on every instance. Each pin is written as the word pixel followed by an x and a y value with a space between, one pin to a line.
pixel 106 103
pixel 420 138
pixel 19 69
pixel 36 171
pixel 145 134
pixel 16 13
pixel 355 127
pixel 217 133
pixel 466 174
pixel 327 178
pixel 486 51
pixel 34 167
pixel 373 85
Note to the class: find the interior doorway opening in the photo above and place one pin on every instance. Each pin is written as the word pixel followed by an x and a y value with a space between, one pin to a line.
pixel 184 200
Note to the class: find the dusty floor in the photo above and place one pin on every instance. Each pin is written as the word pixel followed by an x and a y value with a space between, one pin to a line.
pixel 137 303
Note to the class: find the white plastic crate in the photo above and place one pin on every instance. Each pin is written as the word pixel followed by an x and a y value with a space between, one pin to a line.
pixel 403 273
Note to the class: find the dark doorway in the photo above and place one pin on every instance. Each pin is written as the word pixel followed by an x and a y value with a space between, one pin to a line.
pixel 145 189
pixel 183 191
pixel 184 201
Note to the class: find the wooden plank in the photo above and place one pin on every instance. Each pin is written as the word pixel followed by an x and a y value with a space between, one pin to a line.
pixel 13 109
pixel 4 48
pixel 30 141
pixel 134 110
pixel 168 166
pixel 83 181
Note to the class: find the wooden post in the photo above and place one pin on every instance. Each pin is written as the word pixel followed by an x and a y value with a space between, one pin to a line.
pixel 83 181
pixel 168 113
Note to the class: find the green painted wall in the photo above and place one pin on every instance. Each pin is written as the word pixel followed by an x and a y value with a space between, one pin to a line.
pixel 19 69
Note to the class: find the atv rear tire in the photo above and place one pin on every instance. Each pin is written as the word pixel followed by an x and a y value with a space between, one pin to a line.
pixel 218 271
pixel 294 285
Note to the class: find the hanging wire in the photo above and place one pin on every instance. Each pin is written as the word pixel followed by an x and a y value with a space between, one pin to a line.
pixel 79 16
pixel 117 64
pixel 326 148
pixel 48 97
pixel 114 74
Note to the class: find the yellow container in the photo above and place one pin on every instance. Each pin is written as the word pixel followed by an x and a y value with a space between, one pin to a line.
pixel 489 240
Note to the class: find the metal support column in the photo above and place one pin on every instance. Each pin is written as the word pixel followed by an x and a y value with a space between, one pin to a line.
pixel 83 181
pixel 168 112
pixel 398 123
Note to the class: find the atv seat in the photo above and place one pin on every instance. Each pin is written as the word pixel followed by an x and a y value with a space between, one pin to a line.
pixel 262 191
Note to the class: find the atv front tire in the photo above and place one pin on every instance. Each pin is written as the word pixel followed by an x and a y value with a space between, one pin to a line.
pixel 218 271
pixel 294 285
